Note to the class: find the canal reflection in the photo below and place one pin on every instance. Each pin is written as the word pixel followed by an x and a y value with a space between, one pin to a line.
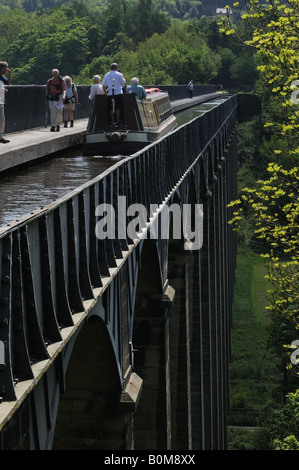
pixel 191 113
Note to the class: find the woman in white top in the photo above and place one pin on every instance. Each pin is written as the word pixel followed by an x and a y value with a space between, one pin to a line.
pixel 96 88
pixel 71 98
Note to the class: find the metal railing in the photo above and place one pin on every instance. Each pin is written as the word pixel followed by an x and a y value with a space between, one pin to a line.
pixel 26 105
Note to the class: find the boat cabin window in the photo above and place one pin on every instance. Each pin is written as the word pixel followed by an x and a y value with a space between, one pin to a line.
pixel 135 114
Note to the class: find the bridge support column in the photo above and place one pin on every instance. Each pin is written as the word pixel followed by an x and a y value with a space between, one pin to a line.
pixel 179 348
pixel 152 421
pixel 93 412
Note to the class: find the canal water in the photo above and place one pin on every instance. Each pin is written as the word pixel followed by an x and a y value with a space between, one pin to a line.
pixel 31 188
pixel 39 185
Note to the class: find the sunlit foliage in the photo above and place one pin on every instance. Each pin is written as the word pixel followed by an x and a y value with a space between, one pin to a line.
pixel 272 204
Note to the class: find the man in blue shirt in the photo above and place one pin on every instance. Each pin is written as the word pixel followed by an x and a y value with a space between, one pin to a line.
pixel 136 88
pixel 3 81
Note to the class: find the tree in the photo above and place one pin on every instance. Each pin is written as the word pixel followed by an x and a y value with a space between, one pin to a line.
pixel 275 36
pixel 282 430
pixel 243 69
pixel 10 22
pixel 169 58
pixel 148 21
pixel 57 38
pixel 272 206
pixel 238 64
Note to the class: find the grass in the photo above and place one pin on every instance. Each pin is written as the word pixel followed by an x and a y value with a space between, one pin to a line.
pixel 253 372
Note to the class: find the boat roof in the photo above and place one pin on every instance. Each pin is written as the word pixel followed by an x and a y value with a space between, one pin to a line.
pixel 154 93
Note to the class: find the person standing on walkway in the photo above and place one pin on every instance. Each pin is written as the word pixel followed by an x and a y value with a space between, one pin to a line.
pixel 97 88
pixel 70 100
pixel 190 87
pixel 55 94
pixel 113 83
pixel 4 69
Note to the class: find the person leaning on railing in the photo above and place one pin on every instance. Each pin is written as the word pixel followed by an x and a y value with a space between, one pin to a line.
pixel 4 69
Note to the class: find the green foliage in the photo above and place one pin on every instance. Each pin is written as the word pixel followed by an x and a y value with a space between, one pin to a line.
pixel 243 68
pixel 98 66
pixel 276 148
pixel 77 36
pixel 147 21
pixel 55 40
pixel 244 438
pixel 238 64
pixel 249 141
pixel 70 37
pixel 283 425
pixel 169 58
pixel 269 208
pixel 275 38
pixel 288 443
pixel 274 209
pixel 173 57
pixel 10 22
pixel 253 385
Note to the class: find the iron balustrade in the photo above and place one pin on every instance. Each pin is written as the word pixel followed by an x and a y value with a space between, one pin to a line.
pixel 26 105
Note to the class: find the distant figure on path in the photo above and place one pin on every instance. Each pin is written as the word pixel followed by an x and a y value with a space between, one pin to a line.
pixel 70 100
pixel 137 89
pixel 190 87
pixel 55 94
pixel 96 88
pixel 3 81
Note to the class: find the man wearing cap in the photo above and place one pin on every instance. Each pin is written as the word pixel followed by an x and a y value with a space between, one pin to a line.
pixel 3 81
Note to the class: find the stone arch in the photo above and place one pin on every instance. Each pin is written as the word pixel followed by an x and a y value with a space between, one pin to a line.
pixel 89 412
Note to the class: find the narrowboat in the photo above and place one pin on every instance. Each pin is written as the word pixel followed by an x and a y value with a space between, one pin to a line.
pixel 141 123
